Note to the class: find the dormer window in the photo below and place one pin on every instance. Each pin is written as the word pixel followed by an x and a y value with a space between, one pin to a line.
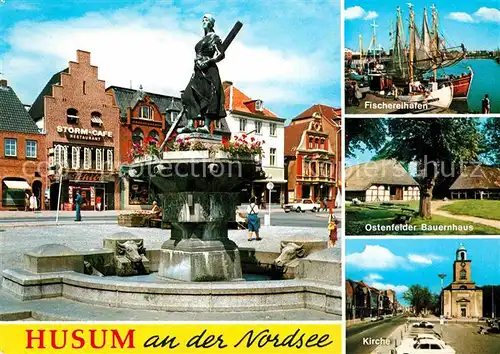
pixel 145 112
pixel 259 106
pixel 72 116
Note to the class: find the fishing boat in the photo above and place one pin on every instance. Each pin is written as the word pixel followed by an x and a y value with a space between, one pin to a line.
pixel 461 84
pixel 425 53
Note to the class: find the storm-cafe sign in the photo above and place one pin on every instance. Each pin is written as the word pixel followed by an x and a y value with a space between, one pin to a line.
pixel 84 134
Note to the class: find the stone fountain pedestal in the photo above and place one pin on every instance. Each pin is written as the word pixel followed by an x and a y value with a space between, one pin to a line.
pixel 200 192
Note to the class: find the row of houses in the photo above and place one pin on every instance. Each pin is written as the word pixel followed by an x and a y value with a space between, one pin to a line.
pixel 88 129
pixel 364 301
pixel 387 180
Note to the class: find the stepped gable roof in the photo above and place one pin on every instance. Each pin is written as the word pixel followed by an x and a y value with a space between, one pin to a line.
pixel 389 172
pixel 126 98
pixel 293 135
pixel 13 115
pixel 37 110
pixel 327 112
pixel 242 103
pixel 478 177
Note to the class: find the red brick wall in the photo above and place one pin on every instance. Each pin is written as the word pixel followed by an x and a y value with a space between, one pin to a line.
pixel 70 93
pixel 20 167
pixel 126 130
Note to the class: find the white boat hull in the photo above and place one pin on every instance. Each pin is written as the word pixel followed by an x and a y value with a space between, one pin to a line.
pixel 441 98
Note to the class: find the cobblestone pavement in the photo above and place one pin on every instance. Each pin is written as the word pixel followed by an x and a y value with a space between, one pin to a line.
pixel 14 242
pixel 464 339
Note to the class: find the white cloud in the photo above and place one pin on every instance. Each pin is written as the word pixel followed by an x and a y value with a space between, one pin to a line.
pixel 424 259
pixel 355 12
pixel 372 277
pixel 375 257
pixel 460 16
pixel 370 15
pixel 399 289
pixel 488 14
pixel 372 280
pixel 155 48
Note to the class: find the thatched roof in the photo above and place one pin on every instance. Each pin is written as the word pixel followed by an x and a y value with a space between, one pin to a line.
pixel 478 177
pixel 382 172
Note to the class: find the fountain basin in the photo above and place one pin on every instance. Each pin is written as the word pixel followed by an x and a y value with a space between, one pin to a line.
pixel 176 296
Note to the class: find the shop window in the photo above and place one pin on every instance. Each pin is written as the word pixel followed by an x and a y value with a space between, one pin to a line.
pixel 154 134
pixel 31 149
pixel 75 157
pixel 72 116
pixel 272 129
pixel 145 112
pixel 98 159
pixel 10 147
pixel 137 136
pixel 138 192
pixel 272 157
pixel 87 158
pixel 109 160
pixel 58 155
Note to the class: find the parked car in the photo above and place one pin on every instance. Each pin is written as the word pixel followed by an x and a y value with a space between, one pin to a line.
pixel 423 324
pixel 302 205
pixel 424 346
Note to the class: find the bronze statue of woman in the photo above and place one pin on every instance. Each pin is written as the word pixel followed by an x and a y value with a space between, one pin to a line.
pixel 203 98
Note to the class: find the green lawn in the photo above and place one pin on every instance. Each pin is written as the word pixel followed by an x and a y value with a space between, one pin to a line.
pixel 357 218
pixel 487 209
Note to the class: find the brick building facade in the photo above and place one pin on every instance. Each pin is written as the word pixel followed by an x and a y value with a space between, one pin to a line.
pixel 142 114
pixel 80 119
pixel 313 155
pixel 22 154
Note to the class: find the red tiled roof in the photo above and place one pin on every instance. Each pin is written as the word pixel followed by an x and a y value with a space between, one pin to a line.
pixel 240 102
pixel 293 134
pixel 326 111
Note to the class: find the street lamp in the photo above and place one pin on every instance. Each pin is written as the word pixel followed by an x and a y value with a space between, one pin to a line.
pixel 442 276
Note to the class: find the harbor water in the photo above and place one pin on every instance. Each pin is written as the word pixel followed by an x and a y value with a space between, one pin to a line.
pixel 486 78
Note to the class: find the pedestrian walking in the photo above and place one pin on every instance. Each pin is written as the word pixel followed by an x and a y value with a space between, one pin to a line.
pixel 325 204
pixel 333 230
pixel 26 201
pixel 253 220
pixel 98 202
pixel 33 202
pixel 78 202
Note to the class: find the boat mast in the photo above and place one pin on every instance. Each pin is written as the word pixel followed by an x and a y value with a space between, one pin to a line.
pixel 412 41
pixel 436 35
pixel 361 53
pixel 374 39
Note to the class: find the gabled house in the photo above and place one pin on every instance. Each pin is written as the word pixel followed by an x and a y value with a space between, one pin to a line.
pixel 380 181
pixel 478 182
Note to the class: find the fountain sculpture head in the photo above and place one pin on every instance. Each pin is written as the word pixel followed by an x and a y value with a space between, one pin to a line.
pixel 131 250
pixel 290 252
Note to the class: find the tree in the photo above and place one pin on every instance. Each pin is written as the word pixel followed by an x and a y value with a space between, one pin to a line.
pixel 418 297
pixel 364 133
pixel 491 133
pixel 435 144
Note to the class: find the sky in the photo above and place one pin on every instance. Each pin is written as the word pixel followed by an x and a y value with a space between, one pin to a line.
pixel 473 23
pixel 287 53
pixel 398 264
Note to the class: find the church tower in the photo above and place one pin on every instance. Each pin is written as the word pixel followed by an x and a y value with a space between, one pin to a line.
pixel 462 277
pixel 462 298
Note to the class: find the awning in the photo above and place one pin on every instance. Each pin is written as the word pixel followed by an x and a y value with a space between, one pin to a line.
pixel 17 184
pixel 277 181
pixel 96 120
